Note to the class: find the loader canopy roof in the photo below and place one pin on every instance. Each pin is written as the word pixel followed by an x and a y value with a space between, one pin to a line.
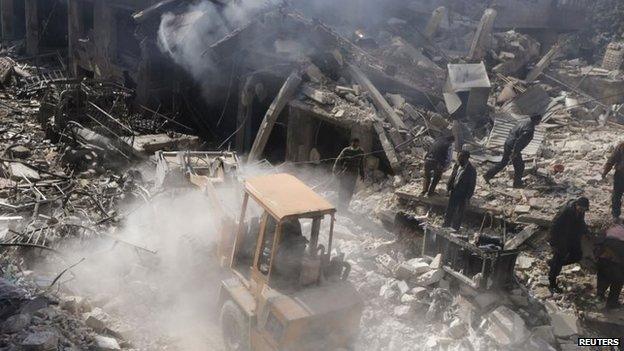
pixel 283 195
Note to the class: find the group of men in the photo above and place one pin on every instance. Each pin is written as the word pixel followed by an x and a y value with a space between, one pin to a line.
pixel 568 225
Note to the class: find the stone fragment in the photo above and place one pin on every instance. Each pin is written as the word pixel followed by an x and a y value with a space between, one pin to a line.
pixel 409 270
pixel 97 319
pixel 402 311
pixel 437 262
pixel 103 343
pixel 506 327
pixel 15 323
pixel 524 262
pixel 35 305
pixel 419 292
pixel 486 299
pixel 429 278
pixel 402 287
pixel 40 341
pixel 458 329
pixel 20 151
pixel 564 324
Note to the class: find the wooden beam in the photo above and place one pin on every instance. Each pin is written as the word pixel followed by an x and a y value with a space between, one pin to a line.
pixel 378 99
pixel 285 94
pixel 543 63
pixel 520 238
pixel 388 148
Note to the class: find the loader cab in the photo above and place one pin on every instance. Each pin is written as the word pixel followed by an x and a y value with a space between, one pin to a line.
pixel 279 241
pixel 286 292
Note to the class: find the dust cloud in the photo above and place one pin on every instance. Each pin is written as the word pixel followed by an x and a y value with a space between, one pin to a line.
pixel 168 297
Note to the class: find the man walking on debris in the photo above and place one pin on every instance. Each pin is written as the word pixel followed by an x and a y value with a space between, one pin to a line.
pixel 616 160
pixel 565 238
pixel 610 261
pixel 461 187
pixel 348 166
pixel 519 137
pixel 436 160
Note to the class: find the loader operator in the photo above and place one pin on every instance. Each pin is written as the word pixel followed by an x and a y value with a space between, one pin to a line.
pixel 519 137
pixel 348 166
pixel 565 238
pixel 290 251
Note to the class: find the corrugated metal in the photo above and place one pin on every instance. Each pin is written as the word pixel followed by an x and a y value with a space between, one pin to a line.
pixel 501 129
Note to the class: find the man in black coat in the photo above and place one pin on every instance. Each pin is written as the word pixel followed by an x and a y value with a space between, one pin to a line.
pixel 461 187
pixel 436 160
pixel 519 137
pixel 565 238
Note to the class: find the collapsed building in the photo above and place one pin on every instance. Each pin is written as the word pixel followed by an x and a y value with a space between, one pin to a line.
pixel 111 83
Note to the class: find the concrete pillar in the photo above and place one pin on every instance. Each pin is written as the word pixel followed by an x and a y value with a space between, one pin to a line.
pixel 299 136
pixel 434 22
pixel 74 30
pixel 244 114
pixel 481 37
pixel 6 9
pixel 105 38
pixel 31 12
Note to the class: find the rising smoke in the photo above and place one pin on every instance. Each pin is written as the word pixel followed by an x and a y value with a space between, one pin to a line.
pixel 187 36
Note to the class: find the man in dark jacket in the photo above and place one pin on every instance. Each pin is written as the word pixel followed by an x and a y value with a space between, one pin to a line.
pixel 461 187
pixel 436 160
pixel 519 137
pixel 348 166
pixel 609 254
pixel 616 160
pixel 565 238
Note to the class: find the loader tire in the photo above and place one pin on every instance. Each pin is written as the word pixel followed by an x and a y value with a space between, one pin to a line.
pixel 234 327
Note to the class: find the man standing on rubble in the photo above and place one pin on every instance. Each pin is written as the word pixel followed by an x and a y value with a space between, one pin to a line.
pixel 519 137
pixel 565 238
pixel 461 187
pixel 437 160
pixel 609 254
pixel 616 160
pixel 348 166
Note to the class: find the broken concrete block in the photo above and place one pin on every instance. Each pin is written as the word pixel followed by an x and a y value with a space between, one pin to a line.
pixel 316 95
pixel 97 319
pixel 408 299
pixel 564 324
pixel 429 278
pixel 402 287
pixel 524 262
pixel 410 269
pixel 506 327
pixel 15 323
pixel 40 341
pixel 486 299
pixel 103 343
pixel 20 151
pixel 437 262
pixel 419 292
pixel 458 329
pixel 402 311
pixel 20 171
pixel 545 332
pixel 150 143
